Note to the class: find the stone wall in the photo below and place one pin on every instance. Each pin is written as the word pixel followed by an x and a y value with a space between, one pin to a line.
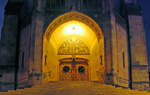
pixel 8 51
pixel 110 54
pixel 51 62
pixel 107 48
pixel 120 52
pixel 24 56
pixel 138 51
pixel 30 56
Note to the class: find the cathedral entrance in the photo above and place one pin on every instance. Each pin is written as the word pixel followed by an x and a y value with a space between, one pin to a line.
pixel 73 49
pixel 73 70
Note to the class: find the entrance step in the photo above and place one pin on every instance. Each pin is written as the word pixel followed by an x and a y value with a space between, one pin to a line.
pixel 74 88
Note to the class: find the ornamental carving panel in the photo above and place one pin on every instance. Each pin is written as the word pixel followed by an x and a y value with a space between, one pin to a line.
pixel 73 46
pixel 74 16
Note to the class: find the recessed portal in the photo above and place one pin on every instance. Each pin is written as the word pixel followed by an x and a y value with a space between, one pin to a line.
pixel 73 38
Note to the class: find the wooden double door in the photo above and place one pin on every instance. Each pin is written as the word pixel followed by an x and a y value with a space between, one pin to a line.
pixel 73 71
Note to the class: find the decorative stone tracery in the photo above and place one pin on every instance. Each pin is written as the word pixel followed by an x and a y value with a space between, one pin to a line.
pixel 74 16
pixel 73 46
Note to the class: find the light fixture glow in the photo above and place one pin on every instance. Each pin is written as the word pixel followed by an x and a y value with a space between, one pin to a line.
pixel 74 29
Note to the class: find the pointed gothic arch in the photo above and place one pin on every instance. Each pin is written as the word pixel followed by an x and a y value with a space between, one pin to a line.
pixel 73 15
pixel 57 44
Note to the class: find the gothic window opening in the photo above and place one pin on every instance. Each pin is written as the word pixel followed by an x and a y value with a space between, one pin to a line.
pixel 1 76
pixel 123 56
pixel 22 60
pixel 45 59
pixel 101 60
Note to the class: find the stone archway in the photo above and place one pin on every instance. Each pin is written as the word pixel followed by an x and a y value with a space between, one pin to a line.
pixel 73 16
pixel 73 35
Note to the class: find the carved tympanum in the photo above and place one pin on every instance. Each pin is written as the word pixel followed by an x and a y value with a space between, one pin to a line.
pixel 73 46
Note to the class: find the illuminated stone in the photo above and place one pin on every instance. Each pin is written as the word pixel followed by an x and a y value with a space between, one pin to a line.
pixel 40 37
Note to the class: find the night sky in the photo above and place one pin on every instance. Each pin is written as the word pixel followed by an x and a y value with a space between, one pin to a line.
pixel 145 4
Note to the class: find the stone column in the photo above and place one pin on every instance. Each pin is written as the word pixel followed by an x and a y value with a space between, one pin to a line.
pixel 36 47
pixel 106 29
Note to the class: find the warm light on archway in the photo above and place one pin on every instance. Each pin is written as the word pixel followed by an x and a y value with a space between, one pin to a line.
pixel 74 29
pixel 79 36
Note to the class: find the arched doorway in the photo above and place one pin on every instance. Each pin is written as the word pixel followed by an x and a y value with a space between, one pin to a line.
pixel 76 37
pixel 73 69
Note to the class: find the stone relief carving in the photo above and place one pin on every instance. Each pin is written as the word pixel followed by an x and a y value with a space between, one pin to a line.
pixel 73 46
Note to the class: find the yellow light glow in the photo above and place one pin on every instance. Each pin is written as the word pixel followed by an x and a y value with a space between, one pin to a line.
pixel 74 28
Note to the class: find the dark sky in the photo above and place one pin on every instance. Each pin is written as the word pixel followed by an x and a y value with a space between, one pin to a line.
pixel 145 4
pixel 2 5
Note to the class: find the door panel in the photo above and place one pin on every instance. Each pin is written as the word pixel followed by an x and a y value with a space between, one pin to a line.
pixel 73 74
pixel 82 76
pixel 65 76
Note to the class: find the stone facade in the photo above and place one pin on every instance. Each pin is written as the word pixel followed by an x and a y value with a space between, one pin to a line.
pixel 112 32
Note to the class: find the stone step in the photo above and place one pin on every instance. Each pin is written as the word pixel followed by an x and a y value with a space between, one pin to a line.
pixel 56 86
pixel 71 93
pixel 75 91
pixel 74 88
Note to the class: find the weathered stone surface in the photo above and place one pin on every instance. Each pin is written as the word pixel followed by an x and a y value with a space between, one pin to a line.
pixel 115 41
pixel 138 51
